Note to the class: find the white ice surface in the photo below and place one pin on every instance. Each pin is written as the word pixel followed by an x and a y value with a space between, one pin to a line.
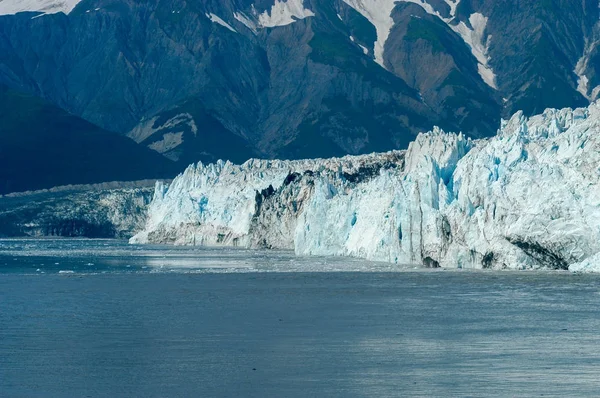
pixel 218 20
pixel 527 198
pixel 590 264
pixel 379 13
pixel 8 7
pixel 453 4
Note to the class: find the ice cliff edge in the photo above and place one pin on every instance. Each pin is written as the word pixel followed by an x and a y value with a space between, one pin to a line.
pixel 526 198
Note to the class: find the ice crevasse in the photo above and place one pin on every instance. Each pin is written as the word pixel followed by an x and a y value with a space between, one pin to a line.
pixel 527 198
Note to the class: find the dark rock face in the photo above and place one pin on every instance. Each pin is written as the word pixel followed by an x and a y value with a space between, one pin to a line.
pixel 450 83
pixel 42 146
pixel 173 80
pixel 300 90
pixel 535 48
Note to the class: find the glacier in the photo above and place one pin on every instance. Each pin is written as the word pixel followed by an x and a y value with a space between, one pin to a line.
pixel 527 198
pixel 107 210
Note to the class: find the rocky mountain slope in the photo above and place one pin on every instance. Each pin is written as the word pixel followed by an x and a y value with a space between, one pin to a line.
pixel 234 79
pixel 42 146
pixel 527 198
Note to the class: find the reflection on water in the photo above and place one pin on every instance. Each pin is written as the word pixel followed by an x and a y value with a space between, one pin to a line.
pixel 272 334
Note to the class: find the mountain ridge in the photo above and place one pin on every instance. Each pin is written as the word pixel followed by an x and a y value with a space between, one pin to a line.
pixel 42 146
pixel 234 79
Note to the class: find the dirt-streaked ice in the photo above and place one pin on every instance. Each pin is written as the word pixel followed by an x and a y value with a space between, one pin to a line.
pixel 527 198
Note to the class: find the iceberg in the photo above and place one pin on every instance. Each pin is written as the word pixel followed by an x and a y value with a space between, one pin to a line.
pixel 526 198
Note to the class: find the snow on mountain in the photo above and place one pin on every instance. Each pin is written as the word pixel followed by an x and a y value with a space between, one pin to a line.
pixel 168 142
pixel 146 128
pixel 453 4
pixel 244 19
pixel 8 7
pixel 527 198
pixel 582 65
pixel 218 20
pixel 475 38
pixel 284 13
pixel 379 13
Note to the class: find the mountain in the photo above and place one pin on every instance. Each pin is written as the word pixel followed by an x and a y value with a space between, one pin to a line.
pixel 234 79
pixel 172 78
pixel 526 198
pixel 42 146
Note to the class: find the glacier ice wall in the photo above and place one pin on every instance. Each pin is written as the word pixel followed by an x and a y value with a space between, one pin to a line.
pixel 243 205
pixel 110 210
pixel 527 198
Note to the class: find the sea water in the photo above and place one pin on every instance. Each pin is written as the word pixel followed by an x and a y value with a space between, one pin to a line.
pixel 102 318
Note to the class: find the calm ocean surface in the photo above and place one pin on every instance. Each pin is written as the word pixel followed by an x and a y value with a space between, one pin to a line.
pixel 100 318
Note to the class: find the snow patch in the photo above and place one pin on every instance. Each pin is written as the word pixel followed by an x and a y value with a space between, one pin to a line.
pixel 241 17
pixel 478 45
pixel 284 13
pixel 9 7
pixel 169 141
pixel 580 68
pixel 146 128
pixel 363 48
pixel 379 12
pixel 582 85
pixel 426 6
pixel 143 130
pixel 453 4
pixel 216 19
